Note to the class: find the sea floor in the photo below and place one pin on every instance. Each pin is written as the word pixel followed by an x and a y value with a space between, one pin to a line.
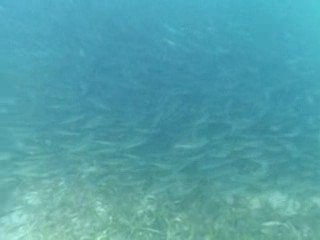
pixel 66 185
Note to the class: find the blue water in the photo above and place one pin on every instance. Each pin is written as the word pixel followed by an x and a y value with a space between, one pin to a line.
pixel 159 120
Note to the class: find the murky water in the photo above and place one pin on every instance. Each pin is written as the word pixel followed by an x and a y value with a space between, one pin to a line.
pixel 163 120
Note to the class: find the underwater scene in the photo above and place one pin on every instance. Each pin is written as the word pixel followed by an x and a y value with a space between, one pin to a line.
pixel 159 120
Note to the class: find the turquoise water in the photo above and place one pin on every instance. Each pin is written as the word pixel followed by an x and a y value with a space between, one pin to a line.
pixel 159 120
